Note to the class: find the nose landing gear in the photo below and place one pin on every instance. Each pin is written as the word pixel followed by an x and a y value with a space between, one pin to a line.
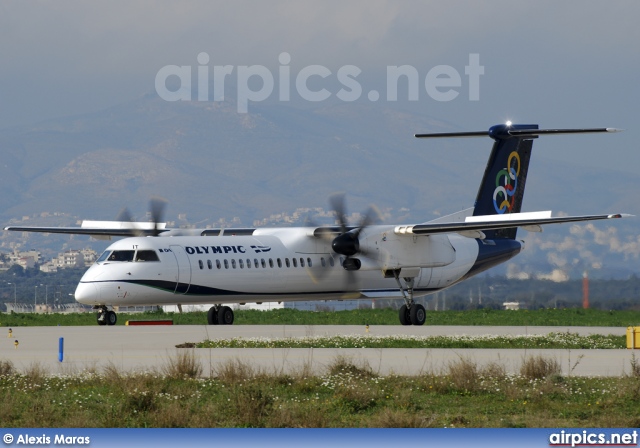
pixel 106 316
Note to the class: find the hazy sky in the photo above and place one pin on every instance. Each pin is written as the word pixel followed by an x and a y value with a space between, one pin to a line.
pixel 559 64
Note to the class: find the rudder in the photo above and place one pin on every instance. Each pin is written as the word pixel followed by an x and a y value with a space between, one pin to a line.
pixel 502 188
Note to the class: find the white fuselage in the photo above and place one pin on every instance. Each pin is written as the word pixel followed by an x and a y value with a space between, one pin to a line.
pixel 280 264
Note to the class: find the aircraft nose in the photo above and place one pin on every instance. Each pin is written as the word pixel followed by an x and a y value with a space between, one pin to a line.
pixel 87 293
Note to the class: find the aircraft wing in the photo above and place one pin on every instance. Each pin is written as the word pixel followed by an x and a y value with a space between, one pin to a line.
pixel 100 229
pixel 107 229
pixel 474 225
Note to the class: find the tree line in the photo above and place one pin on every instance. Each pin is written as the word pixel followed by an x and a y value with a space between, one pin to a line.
pixel 34 286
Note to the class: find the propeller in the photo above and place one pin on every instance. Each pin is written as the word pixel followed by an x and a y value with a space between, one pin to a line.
pixel 156 211
pixel 157 206
pixel 348 242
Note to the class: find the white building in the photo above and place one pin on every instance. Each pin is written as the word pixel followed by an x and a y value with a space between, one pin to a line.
pixel 511 305
pixel 26 259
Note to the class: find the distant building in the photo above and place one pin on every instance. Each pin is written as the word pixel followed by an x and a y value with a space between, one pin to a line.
pixel 70 259
pixel 90 256
pixel 48 267
pixel 511 305
pixel 136 309
pixel 40 308
pixel 26 259
pixel 26 262
pixel 314 305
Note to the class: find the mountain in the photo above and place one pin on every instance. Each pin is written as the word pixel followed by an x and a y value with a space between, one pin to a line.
pixel 212 163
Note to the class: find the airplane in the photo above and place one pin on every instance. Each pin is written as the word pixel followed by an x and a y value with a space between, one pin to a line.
pixel 155 265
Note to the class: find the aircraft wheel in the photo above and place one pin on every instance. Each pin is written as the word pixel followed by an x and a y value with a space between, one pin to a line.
pixel 111 318
pixel 417 314
pixel 405 319
pixel 102 318
pixel 212 316
pixel 225 315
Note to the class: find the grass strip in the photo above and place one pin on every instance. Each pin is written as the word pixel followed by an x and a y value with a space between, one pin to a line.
pixel 347 394
pixel 548 341
pixel 288 316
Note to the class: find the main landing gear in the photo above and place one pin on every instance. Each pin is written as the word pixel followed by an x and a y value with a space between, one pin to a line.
pixel 411 313
pixel 105 316
pixel 220 315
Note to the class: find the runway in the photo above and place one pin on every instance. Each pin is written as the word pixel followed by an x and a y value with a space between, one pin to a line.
pixel 136 348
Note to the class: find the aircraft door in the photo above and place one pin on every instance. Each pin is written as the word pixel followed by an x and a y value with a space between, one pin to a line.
pixel 183 279
pixel 424 278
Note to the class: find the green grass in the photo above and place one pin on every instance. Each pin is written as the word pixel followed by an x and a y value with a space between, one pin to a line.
pixel 348 394
pixel 548 341
pixel 552 317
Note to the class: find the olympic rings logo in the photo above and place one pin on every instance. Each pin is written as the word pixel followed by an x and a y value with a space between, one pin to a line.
pixel 506 185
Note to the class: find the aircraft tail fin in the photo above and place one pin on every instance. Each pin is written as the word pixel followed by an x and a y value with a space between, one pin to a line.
pixel 502 188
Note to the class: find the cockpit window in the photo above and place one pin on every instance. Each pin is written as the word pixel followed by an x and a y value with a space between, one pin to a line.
pixel 147 255
pixel 121 255
pixel 104 256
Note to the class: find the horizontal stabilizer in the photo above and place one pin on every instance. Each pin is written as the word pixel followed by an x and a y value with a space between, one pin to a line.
pixel 526 132
pixel 504 131
pixel 454 134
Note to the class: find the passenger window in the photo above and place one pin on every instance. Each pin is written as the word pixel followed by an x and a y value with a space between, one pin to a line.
pixel 309 262
pixel 279 262
pixel 121 255
pixel 270 262
pixel 295 262
pixel 302 262
pixel 209 265
pixel 241 263
pixel 218 264
pixel 331 262
pixel 226 264
pixel 286 262
pixel 248 263
pixel 233 264
pixel 264 265
pixel 322 262
pixel 201 264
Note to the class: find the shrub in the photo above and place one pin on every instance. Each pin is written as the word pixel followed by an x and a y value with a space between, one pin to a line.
pixel 6 368
pixel 183 365
pixel 538 367
pixel 635 366
pixel 464 374
pixel 235 371
pixel 346 365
